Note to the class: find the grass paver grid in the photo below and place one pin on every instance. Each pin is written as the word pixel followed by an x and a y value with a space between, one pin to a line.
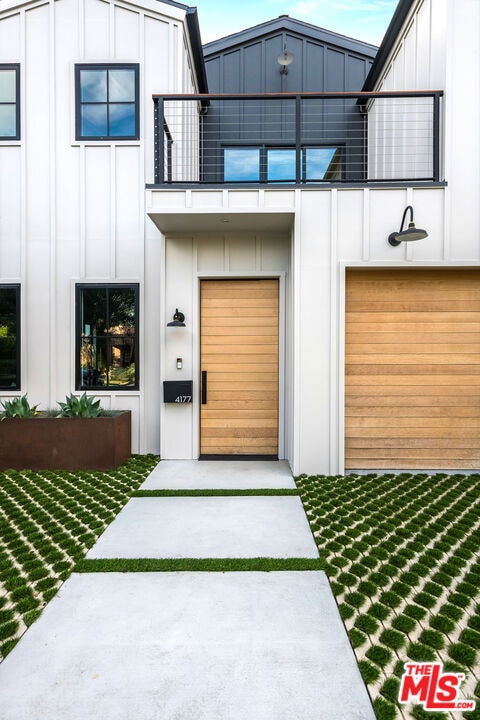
pixel 401 552
pixel 402 556
pixel 48 521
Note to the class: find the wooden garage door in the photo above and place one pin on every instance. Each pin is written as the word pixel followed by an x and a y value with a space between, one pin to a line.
pixel 412 369
pixel 239 353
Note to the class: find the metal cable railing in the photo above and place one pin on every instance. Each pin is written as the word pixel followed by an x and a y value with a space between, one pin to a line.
pixel 309 138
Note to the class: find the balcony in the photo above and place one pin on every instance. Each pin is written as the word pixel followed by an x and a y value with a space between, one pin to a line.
pixel 297 140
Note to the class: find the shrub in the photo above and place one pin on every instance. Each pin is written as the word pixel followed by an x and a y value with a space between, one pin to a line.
pixel 84 406
pixel 17 408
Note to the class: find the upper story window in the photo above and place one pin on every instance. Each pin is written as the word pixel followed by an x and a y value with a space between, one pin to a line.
pixel 278 165
pixel 107 337
pixel 107 102
pixel 9 102
pixel 10 337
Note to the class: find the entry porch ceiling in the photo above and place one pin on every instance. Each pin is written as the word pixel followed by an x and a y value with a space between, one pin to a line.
pixel 213 221
pixel 221 210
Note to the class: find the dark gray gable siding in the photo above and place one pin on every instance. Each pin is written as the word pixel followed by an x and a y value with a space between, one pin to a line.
pixel 247 63
pixel 324 61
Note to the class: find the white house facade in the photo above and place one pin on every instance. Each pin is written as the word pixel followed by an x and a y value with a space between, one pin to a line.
pixel 236 244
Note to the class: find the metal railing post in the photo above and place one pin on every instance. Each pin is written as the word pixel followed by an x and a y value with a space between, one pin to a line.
pixel 158 140
pixel 436 137
pixel 298 139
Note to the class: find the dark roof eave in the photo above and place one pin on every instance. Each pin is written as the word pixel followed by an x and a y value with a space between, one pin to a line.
pixel 389 39
pixel 290 24
pixel 197 50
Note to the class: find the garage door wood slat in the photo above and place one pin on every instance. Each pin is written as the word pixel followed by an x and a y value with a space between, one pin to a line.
pixel 412 381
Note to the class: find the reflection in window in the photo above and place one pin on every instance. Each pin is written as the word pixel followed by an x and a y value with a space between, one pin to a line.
pixel 281 165
pixel 323 163
pixel 241 164
pixel 107 101
pixel 9 102
pixel 10 337
pixel 107 336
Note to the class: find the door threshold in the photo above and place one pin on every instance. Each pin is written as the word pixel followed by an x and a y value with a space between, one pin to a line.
pixel 238 457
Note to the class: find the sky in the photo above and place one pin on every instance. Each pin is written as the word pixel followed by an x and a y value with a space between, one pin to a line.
pixel 364 20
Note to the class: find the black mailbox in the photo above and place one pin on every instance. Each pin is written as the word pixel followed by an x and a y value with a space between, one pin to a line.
pixel 177 391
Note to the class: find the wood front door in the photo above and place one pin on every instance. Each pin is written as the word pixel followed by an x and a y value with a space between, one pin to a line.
pixel 239 365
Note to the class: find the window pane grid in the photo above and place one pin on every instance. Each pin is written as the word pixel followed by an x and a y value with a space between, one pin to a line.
pixel 10 337
pixel 9 102
pixel 278 164
pixel 107 337
pixel 107 102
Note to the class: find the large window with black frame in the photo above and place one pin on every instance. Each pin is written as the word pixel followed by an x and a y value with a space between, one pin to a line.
pixel 107 336
pixel 9 337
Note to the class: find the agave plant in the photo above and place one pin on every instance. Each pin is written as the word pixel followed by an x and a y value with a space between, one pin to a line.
pixel 18 408
pixel 83 406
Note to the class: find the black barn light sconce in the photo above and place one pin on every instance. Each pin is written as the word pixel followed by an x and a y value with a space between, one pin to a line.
pixel 411 233
pixel 178 319
pixel 285 59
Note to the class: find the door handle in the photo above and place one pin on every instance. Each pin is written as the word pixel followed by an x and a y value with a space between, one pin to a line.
pixel 204 387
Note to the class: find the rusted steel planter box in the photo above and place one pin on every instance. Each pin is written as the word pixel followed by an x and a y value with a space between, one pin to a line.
pixel 50 443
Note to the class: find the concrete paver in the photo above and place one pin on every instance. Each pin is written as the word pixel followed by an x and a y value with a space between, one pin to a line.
pixel 192 645
pixel 219 474
pixel 186 646
pixel 208 527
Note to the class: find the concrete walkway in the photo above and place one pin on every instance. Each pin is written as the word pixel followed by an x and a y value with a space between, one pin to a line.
pixel 192 645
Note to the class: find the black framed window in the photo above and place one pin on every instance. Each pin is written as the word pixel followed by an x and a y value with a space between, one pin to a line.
pixel 107 336
pixel 10 337
pixel 9 102
pixel 278 164
pixel 107 102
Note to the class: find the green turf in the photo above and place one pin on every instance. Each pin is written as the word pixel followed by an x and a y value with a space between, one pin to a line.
pixel 402 555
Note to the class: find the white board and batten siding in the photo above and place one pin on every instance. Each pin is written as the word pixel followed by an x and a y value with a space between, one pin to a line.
pixel 75 211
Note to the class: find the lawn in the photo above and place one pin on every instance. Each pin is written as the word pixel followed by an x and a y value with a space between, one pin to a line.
pixel 48 521
pixel 402 556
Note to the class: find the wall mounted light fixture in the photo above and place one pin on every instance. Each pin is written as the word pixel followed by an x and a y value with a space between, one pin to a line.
pixel 284 60
pixel 178 319
pixel 411 233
